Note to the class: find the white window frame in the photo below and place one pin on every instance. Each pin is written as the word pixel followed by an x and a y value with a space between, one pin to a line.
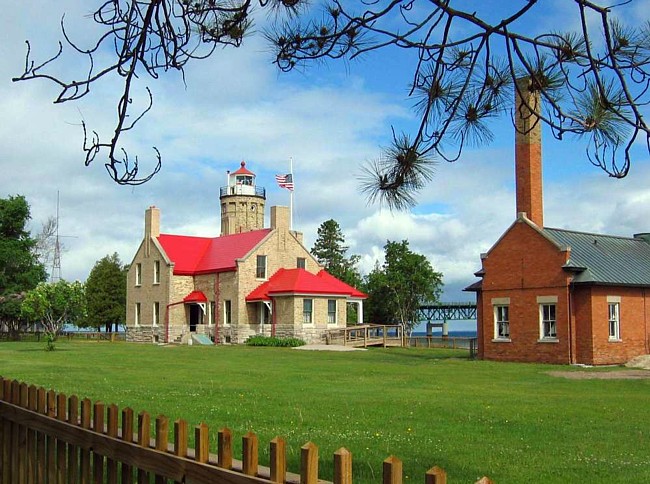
pixel 548 321
pixel 307 314
pixel 212 311
pixel 156 313
pixel 227 312
pixel 332 315
pixel 614 320
pixel 261 269
pixel 138 314
pixel 156 272
pixel 501 322
pixel 138 274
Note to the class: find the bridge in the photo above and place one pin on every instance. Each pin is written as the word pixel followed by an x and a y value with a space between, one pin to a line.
pixel 443 312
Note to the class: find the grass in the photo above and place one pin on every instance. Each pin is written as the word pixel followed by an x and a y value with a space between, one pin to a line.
pixel 511 422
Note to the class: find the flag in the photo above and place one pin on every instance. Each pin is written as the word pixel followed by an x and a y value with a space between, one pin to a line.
pixel 285 181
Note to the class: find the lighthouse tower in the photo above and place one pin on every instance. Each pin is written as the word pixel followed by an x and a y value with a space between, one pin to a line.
pixel 242 203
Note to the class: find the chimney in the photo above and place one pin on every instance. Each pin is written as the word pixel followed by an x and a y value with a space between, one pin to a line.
pixel 280 217
pixel 151 227
pixel 528 153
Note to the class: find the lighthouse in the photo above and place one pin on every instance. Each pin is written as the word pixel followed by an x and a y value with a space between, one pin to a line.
pixel 242 202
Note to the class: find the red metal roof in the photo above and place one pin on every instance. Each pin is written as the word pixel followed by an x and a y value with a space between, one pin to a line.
pixel 195 296
pixel 299 281
pixel 243 170
pixel 204 255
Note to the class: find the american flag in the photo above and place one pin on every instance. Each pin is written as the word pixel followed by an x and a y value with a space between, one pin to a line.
pixel 285 181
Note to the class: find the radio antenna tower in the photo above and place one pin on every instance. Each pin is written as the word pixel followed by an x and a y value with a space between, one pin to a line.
pixel 56 260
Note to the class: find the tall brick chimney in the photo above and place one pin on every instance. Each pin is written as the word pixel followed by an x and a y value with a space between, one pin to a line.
pixel 528 154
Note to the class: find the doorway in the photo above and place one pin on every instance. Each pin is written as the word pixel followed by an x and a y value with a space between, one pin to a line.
pixel 196 317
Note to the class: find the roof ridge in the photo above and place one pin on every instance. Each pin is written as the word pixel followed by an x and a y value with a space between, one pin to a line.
pixel 592 234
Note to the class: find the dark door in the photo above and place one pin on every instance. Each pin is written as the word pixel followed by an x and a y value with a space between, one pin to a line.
pixel 195 316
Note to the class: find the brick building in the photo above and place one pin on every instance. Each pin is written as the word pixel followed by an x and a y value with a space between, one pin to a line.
pixel 249 280
pixel 559 296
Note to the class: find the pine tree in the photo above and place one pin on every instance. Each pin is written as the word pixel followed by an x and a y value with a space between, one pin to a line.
pixel 106 293
pixel 330 251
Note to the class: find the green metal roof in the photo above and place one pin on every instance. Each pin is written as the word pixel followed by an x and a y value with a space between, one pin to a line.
pixel 604 259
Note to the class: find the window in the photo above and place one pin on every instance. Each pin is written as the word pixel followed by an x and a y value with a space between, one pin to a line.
pixel 300 263
pixel 331 311
pixel 547 321
pixel 156 272
pixel 502 322
pixel 212 314
pixel 260 273
pixel 614 321
pixel 307 309
pixel 137 314
pixel 227 311
pixel 138 274
pixel 156 313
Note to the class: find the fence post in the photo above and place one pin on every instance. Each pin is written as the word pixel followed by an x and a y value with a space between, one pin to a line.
pixel 342 466
pixel 435 475
pixel 202 443
pixel 180 438
pixel 112 423
pixel 250 454
pixel 127 436
pixel 278 465
pixel 309 463
pixel 41 463
pixel 144 439
pixel 50 442
pixel 392 470
pixel 99 410
pixel 224 448
pixel 73 451
pixel 84 465
pixel 6 432
pixel 162 439
pixel 61 447
pixel 31 436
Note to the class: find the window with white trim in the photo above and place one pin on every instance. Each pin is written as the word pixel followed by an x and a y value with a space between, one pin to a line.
pixel 614 309
pixel 307 311
pixel 138 274
pixel 156 272
pixel 212 315
pixel 331 311
pixel 260 271
pixel 502 322
pixel 138 314
pixel 227 311
pixel 156 313
pixel 547 321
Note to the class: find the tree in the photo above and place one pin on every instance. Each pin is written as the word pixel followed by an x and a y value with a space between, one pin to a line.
pixel 398 288
pixel 593 83
pixel 106 293
pixel 54 305
pixel 20 270
pixel 330 251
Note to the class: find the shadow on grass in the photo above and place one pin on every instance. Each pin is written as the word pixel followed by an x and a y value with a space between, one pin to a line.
pixel 423 354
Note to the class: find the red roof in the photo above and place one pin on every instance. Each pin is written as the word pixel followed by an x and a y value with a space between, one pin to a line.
pixel 299 281
pixel 195 296
pixel 243 170
pixel 204 255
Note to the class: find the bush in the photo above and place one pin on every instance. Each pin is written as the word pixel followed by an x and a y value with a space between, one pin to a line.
pixel 274 341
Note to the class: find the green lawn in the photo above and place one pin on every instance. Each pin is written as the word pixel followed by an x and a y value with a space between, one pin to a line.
pixel 511 422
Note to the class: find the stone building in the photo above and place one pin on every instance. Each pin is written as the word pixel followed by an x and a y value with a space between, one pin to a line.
pixel 250 280
pixel 554 295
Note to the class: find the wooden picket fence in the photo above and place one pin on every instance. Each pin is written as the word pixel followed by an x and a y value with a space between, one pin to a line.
pixel 48 437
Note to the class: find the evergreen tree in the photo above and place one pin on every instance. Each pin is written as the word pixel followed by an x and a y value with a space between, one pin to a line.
pixel 20 270
pixel 106 293
pixel 330 251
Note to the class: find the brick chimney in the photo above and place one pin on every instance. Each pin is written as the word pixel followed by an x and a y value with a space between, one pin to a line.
pixel 528 154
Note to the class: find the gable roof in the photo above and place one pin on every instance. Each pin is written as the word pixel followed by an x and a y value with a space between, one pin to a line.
pixel 204 255
pixel 299 281
pixel 604 259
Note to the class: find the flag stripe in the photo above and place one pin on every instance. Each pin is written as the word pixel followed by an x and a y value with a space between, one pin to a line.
pixel 285 181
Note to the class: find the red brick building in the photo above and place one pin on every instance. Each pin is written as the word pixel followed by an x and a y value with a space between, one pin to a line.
pixel 559 296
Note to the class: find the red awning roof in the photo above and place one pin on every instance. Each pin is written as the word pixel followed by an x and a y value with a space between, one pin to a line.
pixel 204 255
pixel 299 281
pixel 195 296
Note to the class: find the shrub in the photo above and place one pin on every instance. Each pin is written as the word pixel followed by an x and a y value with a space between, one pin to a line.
pixel 274 341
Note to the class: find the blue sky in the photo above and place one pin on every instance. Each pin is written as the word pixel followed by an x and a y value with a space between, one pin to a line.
pixel 330 118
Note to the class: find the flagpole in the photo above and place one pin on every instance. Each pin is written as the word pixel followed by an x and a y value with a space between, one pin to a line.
pixel 291 194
